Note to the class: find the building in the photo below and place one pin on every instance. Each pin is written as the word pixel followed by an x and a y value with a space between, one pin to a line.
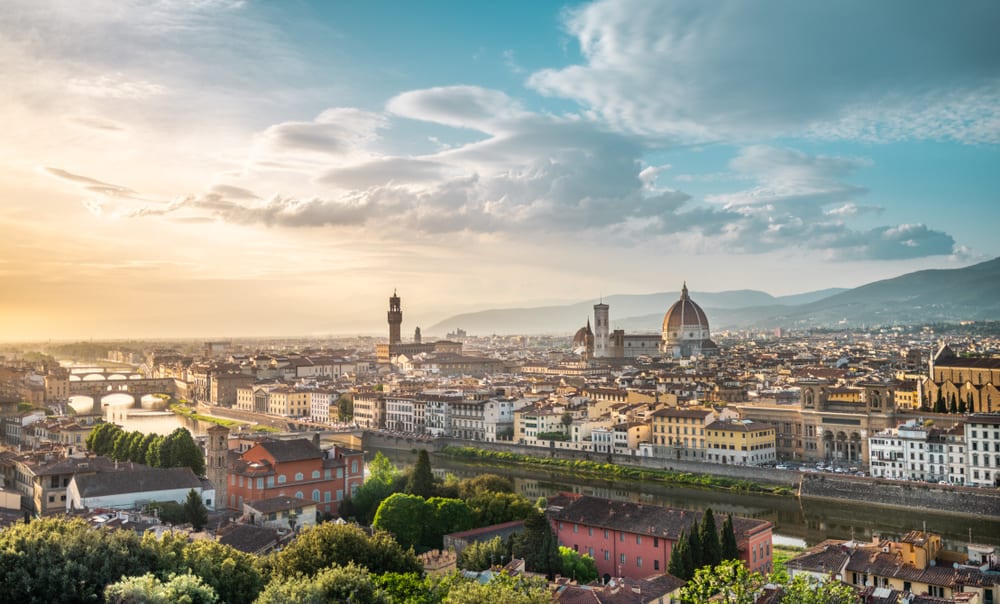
pixel 132 488
pixel 823 428
pixel 969 383
pixel 636 540
pixel 685 330
pixel 223 387
pixel 295 468
pixel 982 441
pixel 912 451
pixel 601 331
pixel 217 462
pixel 740 442
pixel 281 513
pixel 916 568
pixel 395 316
pixel 679 432
pixel 369 410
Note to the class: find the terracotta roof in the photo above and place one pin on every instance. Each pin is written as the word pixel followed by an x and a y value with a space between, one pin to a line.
pixel 291 450
pixel 278 504
pixel 136 481
pixel 642 519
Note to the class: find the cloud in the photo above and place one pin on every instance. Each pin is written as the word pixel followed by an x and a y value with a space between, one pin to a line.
pixel 336 131
pixel 471 107
pixel 859 70
pixel 91 184
pixel 384 170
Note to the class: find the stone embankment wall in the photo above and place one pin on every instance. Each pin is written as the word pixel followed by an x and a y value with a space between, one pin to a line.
pixel 968 501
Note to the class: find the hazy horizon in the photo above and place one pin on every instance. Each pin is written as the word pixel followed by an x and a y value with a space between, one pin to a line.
pixel 230 167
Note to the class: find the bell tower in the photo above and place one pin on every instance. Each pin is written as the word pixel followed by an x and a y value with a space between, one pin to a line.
pixel 395 318
pixel 217 462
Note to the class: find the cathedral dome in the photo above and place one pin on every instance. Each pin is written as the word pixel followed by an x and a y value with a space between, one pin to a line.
pixel 584 337
pixel 684 316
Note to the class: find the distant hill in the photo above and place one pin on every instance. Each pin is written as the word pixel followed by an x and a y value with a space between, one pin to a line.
pixel 969 293
pixel 626 309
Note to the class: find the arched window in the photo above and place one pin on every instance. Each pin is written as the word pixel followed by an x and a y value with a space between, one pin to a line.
pixel 315 474
pixel 281 479
pixel 316 495
pixel 299 476
pixel 298 494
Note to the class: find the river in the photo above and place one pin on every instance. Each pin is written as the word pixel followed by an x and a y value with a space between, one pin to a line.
pixel 801 523
pixel 150 417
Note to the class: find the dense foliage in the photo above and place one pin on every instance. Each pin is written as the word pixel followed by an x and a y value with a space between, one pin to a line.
pixel 732 583
pixel 176 450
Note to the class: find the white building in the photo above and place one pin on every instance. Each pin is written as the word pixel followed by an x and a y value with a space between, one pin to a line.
pixel 319 404
pixel 982 439
pixel 130 489
pixel 910 452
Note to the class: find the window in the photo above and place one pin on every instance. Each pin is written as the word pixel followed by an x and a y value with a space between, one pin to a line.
pixel 656 565
pixel 638 539
pixel 340 494
pixel 316 495
pixel 638 561
pixel 299 476
pixel 315 474
pixel 298 495
pixel 590 531
pixel 281 479
pixel 327 496
pixel 621 535
pixel 607 555
pixel 354 467
pixel 260 483
pixel 605 533
pixel 340 472
pixel 270 481
pixel 327 474
pixel 622 559
pixel 656 542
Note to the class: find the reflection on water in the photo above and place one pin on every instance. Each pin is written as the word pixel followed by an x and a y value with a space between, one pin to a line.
pixel 795 521
pixel 149 417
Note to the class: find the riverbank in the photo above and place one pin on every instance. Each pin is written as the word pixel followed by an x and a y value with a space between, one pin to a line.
pixel 965 502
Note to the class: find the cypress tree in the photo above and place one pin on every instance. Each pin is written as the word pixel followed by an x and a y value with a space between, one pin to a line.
pixel 730 551
pixel 939 406
pixel 421 481
pixel 697 556
pixel 680 559
pixel 711 549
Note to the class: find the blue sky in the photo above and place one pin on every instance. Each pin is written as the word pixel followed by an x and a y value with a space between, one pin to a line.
pixel 280 167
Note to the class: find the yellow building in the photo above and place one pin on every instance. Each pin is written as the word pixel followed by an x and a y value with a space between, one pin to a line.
pixel 531 421
pixel 679 432
pixel 972 382
pixel 740 442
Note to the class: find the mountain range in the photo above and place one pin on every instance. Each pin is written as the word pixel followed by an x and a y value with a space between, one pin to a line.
pixel 938 295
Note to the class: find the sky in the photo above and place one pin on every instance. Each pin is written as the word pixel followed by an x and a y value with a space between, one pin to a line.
pixel 189 168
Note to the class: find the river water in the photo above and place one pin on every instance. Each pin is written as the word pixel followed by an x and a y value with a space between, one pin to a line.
pixel 802 523
pixel 151 416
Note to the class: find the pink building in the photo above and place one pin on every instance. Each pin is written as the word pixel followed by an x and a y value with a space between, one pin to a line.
pixel 635 539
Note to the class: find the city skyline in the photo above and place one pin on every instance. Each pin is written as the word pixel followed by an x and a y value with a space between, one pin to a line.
pixel 247 169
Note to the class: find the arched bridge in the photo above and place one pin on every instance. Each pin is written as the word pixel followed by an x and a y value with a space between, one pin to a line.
pixel 96 389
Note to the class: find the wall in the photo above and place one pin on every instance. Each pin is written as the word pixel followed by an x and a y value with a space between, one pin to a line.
pixel 968 501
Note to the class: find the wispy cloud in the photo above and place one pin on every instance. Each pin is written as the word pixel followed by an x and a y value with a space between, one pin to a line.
pixel 856 70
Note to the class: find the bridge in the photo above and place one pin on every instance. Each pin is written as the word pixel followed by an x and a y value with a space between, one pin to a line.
pixel 98 373
pixel 136 388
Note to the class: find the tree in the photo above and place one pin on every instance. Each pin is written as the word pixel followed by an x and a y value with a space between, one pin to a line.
pixel 148 589
pixel 566 420
pixel 449 516
pixel 502 588
pixel 538 546
pixel 101 439
pixel 234 575
pixel 142 452
pixel 711 549
pixel 965 404
pixel 493 508
pixel 729 582
pixel 694 546
pixel 421 480
pixel 65 560
pixel 323 545
pixel 953 405
pixel 410 588
pixel 122 446
pixel 580 567
pixel 484 483
pixel 939 406
pixel 482 555
pixel 807 590
pixel 406 517
pixel 730 549
pixel 345 408
pixel 348 583
pixel 379 485
pixel 681 565
pixel 180 450
pixel 195 511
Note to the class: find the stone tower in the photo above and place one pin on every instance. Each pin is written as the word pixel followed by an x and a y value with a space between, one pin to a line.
pixel 395 318
pixel 601 328
pixel 416 336
pixel 217 463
